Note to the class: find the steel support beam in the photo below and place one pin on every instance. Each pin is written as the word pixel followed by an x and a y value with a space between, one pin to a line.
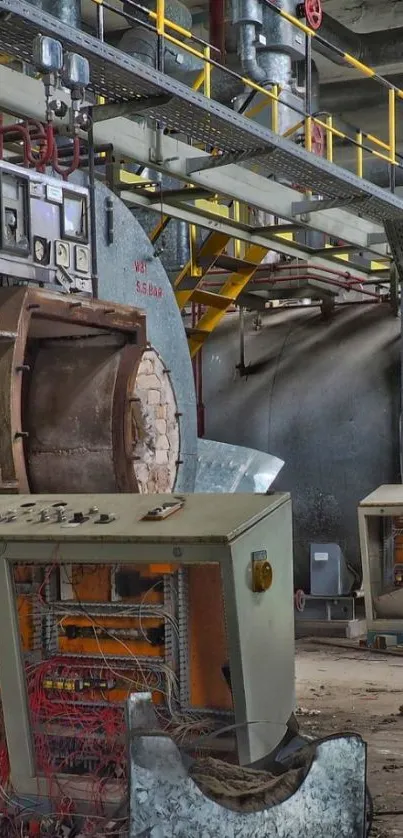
pixel 305 207
pixel 212 222
pixel 215 161
pixel 100 113
pixel 234 182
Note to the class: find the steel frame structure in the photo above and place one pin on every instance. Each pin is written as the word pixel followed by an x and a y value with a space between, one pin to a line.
pixel 121 79
pixel 24 96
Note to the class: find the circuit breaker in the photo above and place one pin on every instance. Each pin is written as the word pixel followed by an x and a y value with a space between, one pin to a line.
pixel 189 598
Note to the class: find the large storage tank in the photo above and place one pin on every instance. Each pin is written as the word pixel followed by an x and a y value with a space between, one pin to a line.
pixel 323 396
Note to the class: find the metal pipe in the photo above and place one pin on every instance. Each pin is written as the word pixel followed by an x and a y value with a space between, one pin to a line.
pixel 93 215
pixel 67 11
pixel 197 364
pixel 373 48
pixel 247 17
pixel 217 25
pixel 241 365
pixel 248 55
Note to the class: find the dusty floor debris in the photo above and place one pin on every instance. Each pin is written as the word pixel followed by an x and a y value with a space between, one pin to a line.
pixel 362 692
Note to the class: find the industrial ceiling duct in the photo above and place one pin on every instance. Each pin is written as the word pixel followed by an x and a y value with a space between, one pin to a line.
pixel 142 43
pixel 67 11
pixel 267 45
pixel 266 42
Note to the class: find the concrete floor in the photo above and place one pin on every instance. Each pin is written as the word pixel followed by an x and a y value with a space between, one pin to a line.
pixel 361 692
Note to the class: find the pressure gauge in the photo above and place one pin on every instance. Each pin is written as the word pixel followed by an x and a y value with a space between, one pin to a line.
pixel 41 250
pixel 62 255
pixel 82 259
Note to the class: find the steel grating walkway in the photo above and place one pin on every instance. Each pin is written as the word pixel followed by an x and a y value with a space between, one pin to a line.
pixel 120 78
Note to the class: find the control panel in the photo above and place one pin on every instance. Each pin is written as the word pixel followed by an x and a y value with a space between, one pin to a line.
pixel 44 229
pixel 132 516
pixel 180 596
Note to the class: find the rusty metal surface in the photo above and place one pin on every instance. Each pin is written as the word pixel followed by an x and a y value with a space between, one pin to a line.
pixel 70 417
pixel 66 369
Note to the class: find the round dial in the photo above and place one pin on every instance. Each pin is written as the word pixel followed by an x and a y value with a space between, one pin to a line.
pixel 40 250
pixel 82 259
pixel 62 254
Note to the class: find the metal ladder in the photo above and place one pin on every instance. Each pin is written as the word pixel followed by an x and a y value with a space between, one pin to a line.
pixel 189 284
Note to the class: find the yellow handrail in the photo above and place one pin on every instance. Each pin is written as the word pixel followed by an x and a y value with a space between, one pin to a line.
pixel 329 138
pixel 203 51
pixel 273 94
pixel 360 155
pixel 309 121
pixel 207 72
pixel 160 17
pixel 392 125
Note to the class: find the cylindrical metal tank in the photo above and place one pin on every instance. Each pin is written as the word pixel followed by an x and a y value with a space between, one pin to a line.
pixel 324 397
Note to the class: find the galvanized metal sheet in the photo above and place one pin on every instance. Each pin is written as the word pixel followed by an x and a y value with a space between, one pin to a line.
pixel 166 803
pixel 233 468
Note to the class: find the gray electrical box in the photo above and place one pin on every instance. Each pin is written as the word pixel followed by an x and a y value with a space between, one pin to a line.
pixel 330 575
pixel 225 564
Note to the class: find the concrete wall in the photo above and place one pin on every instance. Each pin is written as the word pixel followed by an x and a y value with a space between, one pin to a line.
pixel 325 397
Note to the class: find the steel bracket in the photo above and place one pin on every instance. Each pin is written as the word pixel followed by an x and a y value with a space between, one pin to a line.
pixel 100 113
pixel 308 206
pixel 198 164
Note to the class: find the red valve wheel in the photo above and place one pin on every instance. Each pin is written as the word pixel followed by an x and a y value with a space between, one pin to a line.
pixel 318 140
pixel 313 13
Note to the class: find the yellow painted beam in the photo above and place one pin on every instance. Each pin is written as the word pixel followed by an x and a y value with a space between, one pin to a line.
pixel 211 249
pixel 231 290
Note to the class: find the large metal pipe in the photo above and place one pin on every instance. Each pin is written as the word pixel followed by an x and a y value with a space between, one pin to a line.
pixel 142 43
pixel 372 48
pixel 67 11
pixel 247 16
pixel 266 43
pixel 320 411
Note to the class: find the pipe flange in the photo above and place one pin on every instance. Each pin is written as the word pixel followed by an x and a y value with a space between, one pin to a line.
pixel 312 11
pixel 299 600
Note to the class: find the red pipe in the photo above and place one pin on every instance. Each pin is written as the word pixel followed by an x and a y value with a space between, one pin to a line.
pixel 43 135
pixel 66 171
pixel 197 364
pixel 35 132
pixel 344 274
pixel 347 286
pixel 217 25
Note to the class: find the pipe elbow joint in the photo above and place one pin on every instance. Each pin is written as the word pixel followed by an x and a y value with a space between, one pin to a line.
pixel 248 53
